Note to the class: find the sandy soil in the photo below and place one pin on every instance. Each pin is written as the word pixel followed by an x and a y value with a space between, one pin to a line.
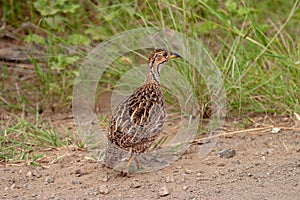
pixel 266 166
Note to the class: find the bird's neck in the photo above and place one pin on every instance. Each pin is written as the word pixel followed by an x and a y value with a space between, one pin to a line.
pixel 153 75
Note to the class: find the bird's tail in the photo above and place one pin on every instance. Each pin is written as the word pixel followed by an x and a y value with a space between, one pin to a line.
pixel 115 156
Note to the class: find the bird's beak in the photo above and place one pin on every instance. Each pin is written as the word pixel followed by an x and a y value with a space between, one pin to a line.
pixel 174 55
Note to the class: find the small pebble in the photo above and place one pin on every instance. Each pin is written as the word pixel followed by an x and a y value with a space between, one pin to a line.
pixel 34 195
pixel 27 186
pixel 105 178
pixel 12 186
pixel 237 162
pixel 169 179
pixel 29 174
pixel 91 192
pixel 49 179
pixel 295 184
pixel 103 189
pixel 218 190
pixel 275 130
pixel 37 174
pixel 77 172
pixel 227 153
pixel 270 151
pixel 136 184
pixel 76 182
pixel 163 191
pixel 185 187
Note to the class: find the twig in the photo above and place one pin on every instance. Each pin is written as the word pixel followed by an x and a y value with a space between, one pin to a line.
pixel 246 131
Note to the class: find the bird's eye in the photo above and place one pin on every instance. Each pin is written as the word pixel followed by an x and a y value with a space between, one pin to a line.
pixel 165 54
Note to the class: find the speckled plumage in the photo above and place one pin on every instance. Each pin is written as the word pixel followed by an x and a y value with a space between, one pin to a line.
pixel 139 118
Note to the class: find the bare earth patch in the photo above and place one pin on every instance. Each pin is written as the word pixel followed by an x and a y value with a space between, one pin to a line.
pixel 266 166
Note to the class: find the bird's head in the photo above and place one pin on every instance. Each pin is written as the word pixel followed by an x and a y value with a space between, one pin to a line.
pixel 157 58
pixel 160 56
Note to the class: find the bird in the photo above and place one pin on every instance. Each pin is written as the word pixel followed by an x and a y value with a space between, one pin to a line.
pixel 139 118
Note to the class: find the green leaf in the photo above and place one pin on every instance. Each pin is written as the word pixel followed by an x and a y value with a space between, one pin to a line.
pixel 71 8
pixel 231 5
pixel 59 3
pixel 55 22
pixel 62 61
pixel 47 8
pixel 205 27
pixel 242 11
pixel 34 38
pixel 78 39
pixel 97 32
pixel 44 7
pixel 129 10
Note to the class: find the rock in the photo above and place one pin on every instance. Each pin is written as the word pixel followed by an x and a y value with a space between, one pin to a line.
pixel 270 151
pixel 12 186
pixel 295 184
pixel 27 186
pixel 275 130
pixel 105 178
pixel 37 174
pixel 136 184
pixel 103 189
pixel 188 171
pixel 185 187
pixel 169 179
pixel 77 172
pixel 76 182
pixel 221 164
pixel 218 190
pixel 34 195
pixel 227 153
pixel 91 192
pixel 29 174
pixel 163 191
pixel 257 163
pixel 49 179
pixel 237 162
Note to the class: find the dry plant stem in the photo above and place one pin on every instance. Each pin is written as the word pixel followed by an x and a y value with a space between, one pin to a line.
pixel 247 131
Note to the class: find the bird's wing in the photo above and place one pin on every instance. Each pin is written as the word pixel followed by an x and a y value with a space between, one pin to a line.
pixel 138 118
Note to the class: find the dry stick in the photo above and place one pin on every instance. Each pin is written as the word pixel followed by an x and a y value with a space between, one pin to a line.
pixel 20 65
pixel 246 131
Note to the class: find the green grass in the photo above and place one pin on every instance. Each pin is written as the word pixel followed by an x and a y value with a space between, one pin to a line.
pixel 254 43
pixel 21 139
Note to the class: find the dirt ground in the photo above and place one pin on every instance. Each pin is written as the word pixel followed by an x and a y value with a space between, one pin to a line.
pixel 266 166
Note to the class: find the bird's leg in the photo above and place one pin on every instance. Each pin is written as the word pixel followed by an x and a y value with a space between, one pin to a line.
pixel 130 160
